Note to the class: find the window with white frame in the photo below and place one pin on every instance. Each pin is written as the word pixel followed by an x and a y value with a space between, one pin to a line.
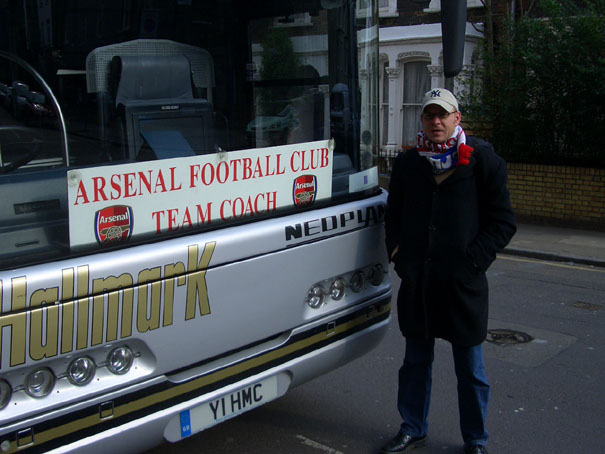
pixel 384 104
pixel 416 82
pixel 386 8
pixel 435 5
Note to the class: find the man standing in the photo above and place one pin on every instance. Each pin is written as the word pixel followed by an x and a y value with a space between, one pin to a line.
pixel 448 214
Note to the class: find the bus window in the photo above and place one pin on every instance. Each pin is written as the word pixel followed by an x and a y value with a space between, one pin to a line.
pixel 188 82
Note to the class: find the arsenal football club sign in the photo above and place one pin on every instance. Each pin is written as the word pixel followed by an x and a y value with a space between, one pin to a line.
pixel 173 194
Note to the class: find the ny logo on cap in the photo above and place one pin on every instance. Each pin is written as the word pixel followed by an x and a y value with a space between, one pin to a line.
pixel 436 94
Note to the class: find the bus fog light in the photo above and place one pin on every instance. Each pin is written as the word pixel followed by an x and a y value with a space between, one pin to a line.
pixel 5 393
pixel 357 281
pixel 120 360
pixel 337 289
pixel 376 275
pixel 316 296
pixel 40 382
pixel 80 371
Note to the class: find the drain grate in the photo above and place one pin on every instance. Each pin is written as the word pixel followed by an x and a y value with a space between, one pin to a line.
pixel 507 337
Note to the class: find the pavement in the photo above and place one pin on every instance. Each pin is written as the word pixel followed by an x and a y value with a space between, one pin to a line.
pixel 558 244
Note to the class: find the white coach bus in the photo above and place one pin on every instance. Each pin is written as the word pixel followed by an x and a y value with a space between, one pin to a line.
pixel 190 215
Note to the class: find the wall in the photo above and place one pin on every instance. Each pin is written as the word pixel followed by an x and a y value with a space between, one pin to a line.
pixel 547 194
pixel 569 196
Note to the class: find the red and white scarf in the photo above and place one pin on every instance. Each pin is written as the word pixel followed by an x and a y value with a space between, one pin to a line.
pixel 445 156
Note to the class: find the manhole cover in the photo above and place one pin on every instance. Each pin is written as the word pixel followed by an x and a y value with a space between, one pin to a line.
pixel 507 337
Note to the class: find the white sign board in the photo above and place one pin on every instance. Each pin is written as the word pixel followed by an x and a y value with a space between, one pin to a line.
pixel 114 203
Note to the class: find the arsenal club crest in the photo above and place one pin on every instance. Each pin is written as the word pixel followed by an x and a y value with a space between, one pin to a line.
pixel 113 224
pixel 305 190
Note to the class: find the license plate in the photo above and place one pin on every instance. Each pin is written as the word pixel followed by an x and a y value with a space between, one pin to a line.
pixel 227 406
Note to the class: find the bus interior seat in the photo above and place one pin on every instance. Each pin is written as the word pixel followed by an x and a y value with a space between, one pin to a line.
pixel 139 94
pixel 153 96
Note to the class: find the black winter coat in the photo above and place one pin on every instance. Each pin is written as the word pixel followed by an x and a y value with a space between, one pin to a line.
pixel 448 235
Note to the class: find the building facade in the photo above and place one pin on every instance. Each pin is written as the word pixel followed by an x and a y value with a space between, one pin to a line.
pixel 411 63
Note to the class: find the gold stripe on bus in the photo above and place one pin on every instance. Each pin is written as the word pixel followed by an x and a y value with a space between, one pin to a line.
pixel 125 409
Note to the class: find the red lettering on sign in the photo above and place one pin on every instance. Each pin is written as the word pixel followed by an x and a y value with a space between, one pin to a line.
pixel 81 194
pixel 324 157
pixel 294 169
pixel 143 180
pixel 207 174
pixel 258 173
pixel 280 170
pixel 269 172
pixel 247 169
pixel 171 220
pixel 157 217
pixel 250 206
pixel 129 185
pixel 272 201
pixel 172 187
pixel 193 174
pixel 234 165
pixel 305 160
pixel 98 184
pixel 222 172
pixel 159 183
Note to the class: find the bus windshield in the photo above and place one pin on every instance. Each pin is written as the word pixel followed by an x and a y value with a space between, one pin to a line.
pixel 130 122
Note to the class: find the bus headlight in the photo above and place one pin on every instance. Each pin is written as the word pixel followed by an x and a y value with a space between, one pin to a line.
pixel 337 289
pixel 119 360
pixel 81 370
pixel 357 281
pixel 40 382
pixel 5 393
pixel 376 275
pixel 316 296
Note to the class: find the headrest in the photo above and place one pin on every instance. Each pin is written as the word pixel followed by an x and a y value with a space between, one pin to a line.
pixel 145 78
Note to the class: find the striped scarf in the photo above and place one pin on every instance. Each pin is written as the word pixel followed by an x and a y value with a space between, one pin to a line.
pixel 447 155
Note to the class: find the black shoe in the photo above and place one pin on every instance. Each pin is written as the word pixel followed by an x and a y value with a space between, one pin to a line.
pixel 475 449
pixel 402 443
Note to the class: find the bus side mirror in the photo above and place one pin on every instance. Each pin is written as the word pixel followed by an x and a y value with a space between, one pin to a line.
pixel 453 30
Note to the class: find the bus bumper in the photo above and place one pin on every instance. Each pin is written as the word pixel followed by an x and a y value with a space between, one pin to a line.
pixel 175 407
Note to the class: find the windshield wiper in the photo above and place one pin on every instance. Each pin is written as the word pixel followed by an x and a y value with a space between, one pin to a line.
pixel 20 162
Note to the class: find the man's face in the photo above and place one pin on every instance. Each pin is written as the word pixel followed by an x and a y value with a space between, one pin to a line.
pixel 436 128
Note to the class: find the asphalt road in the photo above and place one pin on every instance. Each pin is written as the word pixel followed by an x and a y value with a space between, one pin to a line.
pixel 548 382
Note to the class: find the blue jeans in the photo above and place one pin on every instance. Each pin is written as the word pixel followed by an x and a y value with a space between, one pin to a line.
pixel 415 380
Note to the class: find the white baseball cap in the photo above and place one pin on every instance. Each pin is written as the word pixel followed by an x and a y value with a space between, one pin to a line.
pixel 441 97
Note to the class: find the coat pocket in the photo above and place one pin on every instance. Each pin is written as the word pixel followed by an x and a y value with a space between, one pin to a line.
pixel 464 269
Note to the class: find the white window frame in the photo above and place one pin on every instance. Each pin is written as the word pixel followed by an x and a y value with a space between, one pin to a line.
pixel 386 11
pixel 384 104
pixel 435 5
pixel 403 104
